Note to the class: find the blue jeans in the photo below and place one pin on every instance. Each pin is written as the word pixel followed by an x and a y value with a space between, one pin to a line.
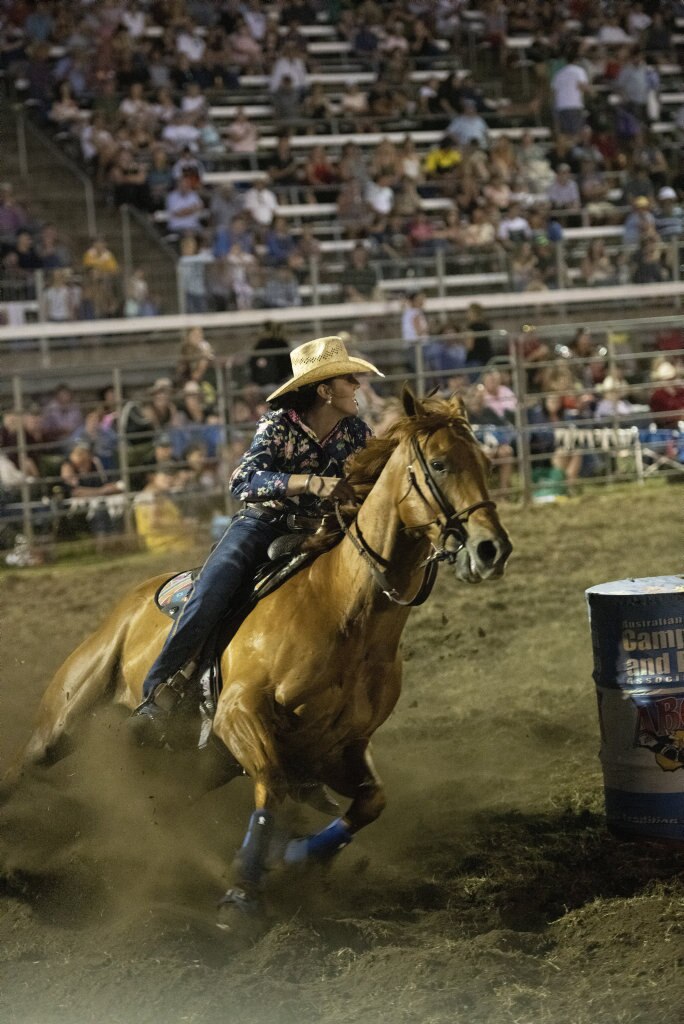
pixel 224 581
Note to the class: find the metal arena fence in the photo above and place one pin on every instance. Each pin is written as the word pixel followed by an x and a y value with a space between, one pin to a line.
pixel 559 409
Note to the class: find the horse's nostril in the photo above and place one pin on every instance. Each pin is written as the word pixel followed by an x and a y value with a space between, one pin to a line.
pixel 487 552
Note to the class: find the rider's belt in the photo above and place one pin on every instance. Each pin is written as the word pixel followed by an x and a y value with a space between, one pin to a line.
pixel 291 520
pixel 268 515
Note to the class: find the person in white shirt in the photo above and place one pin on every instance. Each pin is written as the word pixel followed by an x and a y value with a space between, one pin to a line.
pixel 379 195
pixel 513 227
pixel 180 132
pixel 569 86
pixel 261 203
pixel 291 65
pixel 185 208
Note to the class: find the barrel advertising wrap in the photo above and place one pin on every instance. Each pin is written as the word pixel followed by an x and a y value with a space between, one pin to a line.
pixel 637 630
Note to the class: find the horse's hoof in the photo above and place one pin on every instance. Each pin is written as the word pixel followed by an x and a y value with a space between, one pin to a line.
pixel 241 914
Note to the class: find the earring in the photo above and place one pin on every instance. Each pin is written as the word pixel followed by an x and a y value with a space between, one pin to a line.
pixel 329 401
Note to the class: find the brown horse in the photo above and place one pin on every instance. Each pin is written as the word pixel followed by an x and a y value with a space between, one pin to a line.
pixel 315 668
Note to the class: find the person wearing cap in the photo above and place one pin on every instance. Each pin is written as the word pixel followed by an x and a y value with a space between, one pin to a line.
pixel 669 217
pixel 293 466
pixel 667 399
pixel 639 223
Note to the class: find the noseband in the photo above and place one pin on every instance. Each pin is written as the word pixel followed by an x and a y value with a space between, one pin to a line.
pixel 452 523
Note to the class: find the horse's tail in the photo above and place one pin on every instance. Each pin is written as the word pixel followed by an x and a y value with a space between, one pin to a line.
pixel 88 675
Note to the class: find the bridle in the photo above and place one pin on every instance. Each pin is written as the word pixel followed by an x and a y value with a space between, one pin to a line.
pixel 452 523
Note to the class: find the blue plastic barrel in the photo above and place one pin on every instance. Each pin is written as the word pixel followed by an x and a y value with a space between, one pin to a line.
pixel 637 629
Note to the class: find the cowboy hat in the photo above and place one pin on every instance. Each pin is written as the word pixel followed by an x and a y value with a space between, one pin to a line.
pixel 319 360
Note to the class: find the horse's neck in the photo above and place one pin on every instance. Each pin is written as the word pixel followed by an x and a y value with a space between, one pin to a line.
pixel 400 555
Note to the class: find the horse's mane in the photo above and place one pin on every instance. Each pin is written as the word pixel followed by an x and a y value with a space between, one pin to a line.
pixel 365 466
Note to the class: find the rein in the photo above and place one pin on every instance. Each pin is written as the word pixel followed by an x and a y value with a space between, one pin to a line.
pixel 453 524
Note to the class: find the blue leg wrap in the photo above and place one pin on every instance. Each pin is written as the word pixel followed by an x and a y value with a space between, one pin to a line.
pixel 250 859
pixel 319 847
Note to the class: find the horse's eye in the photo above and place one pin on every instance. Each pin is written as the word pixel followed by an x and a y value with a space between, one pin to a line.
pixel 437 465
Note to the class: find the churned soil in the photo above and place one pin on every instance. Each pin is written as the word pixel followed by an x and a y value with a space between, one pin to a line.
pixel 489 892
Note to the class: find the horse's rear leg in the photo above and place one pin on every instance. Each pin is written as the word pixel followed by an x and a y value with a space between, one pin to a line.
pixel 78 684
pixel 355 777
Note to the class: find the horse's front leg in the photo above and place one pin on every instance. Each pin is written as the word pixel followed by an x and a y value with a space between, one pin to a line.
pixel 244 726
pixel 356 777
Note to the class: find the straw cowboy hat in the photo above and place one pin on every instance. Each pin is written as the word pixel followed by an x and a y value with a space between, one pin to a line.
pixel 318 360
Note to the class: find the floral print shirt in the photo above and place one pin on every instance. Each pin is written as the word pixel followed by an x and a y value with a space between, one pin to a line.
pixel 282 445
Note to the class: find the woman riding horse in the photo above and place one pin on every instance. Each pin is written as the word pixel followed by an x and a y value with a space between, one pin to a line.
pixel 293 464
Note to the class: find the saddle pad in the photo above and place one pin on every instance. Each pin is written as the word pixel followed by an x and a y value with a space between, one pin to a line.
pixel 173 594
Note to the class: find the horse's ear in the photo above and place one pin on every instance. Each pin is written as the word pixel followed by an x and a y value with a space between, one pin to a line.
pixel 412 405
pixel 458 405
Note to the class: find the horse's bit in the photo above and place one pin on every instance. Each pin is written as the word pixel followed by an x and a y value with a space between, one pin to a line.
pixel 453 524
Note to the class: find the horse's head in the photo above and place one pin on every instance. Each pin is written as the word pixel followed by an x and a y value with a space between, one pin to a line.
pixel 447 494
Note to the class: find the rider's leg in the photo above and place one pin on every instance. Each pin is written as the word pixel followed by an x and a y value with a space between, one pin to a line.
pixel 229 567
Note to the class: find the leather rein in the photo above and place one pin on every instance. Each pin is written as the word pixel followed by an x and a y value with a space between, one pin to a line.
pixel 452 523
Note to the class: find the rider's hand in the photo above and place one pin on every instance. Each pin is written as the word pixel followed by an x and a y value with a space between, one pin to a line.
pixel 332 487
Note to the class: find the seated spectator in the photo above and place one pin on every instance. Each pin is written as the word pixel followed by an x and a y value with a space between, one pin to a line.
pixel 193 409
pixel 102 276
pixel 480 233
pixel 564 193
pixel 185 208
pixel 469 126
pixel 62 415
pixel 648 266
pixel 26 257
pixel 138 300
pixel 548 455
pixel 359 279
pixel 414 324
pixel 667 399
pixel 282 166
pixel 270 363
pixel 239 233
pixel 669 216
pixel 352 209
pixel 83 477
pixel 194 103
pixel 590 366
pixel 513 227
pixel 158 521
pixel 281 290
pixel 286 102
pixel 478 340
pixel 595 191
pixel 320 173
pixel 190 167
pixel 243 50
pixel 639 223
pixel 597 268
pixel 65 113
pixel 261 204
pixel 317 106
pixel 379 195
pixel 614 403
pixel 354 105
pixel 494 433
pixel 524 264
pixel 180 132
pixel 241 265
pixel 128 178
pixel 52 250
pixel 497 396
pixel 101 438
pixel 192 276
pixel 159 179
pixel 443 160
pixel 280 243
pixel 157 412
pixel 242 135
pixel 13 217
pixel 62 297
pixel 289 64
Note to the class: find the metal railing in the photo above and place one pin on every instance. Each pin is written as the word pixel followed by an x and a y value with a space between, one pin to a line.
pixel 553 437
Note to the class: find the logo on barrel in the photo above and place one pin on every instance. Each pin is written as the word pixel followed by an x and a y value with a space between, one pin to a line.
pixel 660 729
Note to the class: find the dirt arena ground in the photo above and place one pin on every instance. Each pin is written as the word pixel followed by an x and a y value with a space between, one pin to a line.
pixel 488 893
